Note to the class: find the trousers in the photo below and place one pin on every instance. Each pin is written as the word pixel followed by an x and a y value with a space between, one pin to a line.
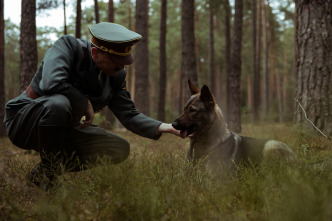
pixel 45 123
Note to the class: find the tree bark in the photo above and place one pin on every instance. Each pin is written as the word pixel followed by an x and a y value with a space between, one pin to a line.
pixel 249 92
pixel 96 11
pixel 285 82
pixel 228 44
pixel 188 59
pixel 213 77
pixel 28 43
pixel 110 14
pixel 234 81
pixel 314 63
pixel 256 44
pixel 64 18
pixel 265 63
pixel 279 88
pixel 142 93
pixel 2 69
pixel 78 19
pixel 163 76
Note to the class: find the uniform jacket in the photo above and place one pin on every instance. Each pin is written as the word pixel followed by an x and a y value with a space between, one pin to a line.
pixel 68 69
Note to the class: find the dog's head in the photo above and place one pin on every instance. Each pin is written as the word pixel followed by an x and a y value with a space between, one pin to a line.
pixel 198 111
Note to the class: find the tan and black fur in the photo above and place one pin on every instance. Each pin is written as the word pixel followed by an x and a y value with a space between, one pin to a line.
pixel 213 143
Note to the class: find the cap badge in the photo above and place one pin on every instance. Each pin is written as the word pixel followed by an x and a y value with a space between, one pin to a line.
pixel 128 49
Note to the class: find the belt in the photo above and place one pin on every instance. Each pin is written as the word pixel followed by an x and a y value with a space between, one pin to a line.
pixel 31 93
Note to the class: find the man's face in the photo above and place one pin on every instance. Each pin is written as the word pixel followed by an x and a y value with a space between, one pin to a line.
pixel 105 62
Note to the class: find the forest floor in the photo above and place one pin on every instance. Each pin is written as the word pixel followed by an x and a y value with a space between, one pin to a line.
pixel 157 183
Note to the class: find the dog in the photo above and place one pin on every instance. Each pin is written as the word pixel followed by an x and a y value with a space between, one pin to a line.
pixel 214 144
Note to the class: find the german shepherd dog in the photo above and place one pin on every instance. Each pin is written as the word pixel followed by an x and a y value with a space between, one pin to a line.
pixel 214 144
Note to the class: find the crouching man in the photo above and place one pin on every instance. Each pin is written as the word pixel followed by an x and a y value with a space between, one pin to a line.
pixel 78 78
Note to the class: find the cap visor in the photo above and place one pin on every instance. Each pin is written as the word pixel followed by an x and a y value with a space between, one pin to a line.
pixel 125 60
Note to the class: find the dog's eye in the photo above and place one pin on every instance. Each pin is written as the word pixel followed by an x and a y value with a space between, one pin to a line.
pixel 192 110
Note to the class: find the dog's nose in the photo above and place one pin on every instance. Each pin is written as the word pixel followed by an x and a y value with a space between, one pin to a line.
pixel 175 124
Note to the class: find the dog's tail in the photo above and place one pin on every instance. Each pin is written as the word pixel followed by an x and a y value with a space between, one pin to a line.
pixel 274 149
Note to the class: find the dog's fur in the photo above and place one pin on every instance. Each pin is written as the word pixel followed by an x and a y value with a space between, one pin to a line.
pixel 212 142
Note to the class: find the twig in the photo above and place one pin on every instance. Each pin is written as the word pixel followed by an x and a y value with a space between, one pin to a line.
pixel 305 115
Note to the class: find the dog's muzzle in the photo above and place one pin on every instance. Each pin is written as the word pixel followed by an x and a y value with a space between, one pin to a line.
pixel 185 131
pixel 175 124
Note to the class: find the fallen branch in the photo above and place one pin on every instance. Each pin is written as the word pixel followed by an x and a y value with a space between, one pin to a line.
pixel 306 117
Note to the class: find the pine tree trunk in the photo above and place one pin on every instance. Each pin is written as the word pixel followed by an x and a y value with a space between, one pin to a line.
pixel 211 51
pixel 234 109
pixel 96 11
pixel 78 19
pixel 188 62
pixel 64 18
pixel 265 63
pixel 142 94
pixel 2 69
pixel 285 89
pixel 249 93
pixel 314 63
pixel 256 38
pixel 163 76
pixel 28 43
pixel 279 95
pixel 228 44
pixel 110 14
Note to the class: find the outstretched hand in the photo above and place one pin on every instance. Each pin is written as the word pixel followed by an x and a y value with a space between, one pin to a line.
pixel 168 128
pixel 89 115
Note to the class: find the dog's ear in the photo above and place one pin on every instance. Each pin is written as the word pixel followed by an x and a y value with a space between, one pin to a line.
pixel 193 88
pixel 207 98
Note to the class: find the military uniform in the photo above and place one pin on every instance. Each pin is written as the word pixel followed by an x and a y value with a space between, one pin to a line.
pixel 46 115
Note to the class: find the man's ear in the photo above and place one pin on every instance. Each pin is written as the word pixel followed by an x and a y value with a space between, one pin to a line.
pixel 207 98
pixel 94 52
pixel 193 88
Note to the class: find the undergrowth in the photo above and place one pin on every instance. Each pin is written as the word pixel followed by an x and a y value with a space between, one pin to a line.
pixel 157 183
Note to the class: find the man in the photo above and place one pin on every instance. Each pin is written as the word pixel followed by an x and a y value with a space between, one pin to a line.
pixel 76 79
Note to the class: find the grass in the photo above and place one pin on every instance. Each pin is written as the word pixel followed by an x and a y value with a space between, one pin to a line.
pixel 157 183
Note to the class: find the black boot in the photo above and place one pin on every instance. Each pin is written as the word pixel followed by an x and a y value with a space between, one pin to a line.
pixel 50 143
pixel 42 178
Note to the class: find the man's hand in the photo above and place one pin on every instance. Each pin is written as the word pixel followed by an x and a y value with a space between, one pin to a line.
pixel 168 128
pixel 89 115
